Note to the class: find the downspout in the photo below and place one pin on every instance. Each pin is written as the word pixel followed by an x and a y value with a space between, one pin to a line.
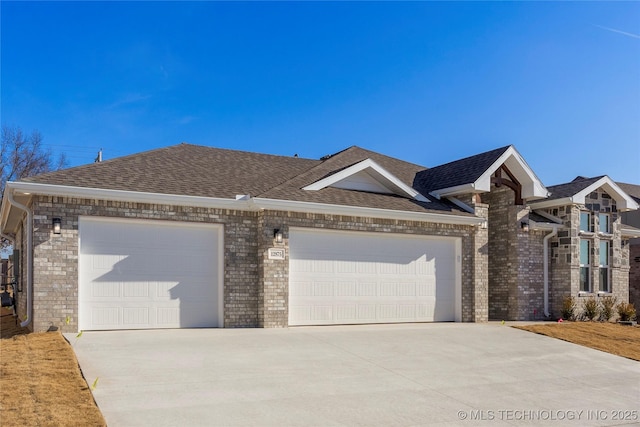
pixel 11 239
pixel 545 255
pixel 28 254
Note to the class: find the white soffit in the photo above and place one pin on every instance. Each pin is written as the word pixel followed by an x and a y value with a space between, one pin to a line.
pixel 630 232
pixel 367 175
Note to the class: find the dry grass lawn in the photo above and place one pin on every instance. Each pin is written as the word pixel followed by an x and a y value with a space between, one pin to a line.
pixel 610 337
pixel 40 380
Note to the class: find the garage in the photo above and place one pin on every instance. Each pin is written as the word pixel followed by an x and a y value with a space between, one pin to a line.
pixel 142 274
pixel 357 277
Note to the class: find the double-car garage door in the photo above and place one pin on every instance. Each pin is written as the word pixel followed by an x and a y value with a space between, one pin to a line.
pixel 148 274
pixel 353 277
pixel 136 274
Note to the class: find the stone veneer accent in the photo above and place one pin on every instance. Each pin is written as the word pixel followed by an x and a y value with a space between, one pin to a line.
pixel 255 288
pixel 565 253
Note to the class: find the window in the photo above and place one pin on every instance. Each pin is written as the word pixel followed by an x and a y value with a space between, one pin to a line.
pixel 585 221
pixel 603 220
pixel 585 280
pixel 603 267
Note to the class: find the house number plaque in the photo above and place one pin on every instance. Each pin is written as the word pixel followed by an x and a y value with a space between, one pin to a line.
pixel 276 253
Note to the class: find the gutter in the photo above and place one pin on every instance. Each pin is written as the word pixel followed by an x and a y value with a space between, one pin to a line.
pixel 29 233
pixel 311 207
pixel 244 203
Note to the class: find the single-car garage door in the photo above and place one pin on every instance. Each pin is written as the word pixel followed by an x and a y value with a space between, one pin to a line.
pixel 353 277
pixel 138 274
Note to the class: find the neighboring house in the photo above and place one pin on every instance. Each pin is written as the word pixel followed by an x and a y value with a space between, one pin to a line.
pixel 631 222
pixel 191 236
pixel 590 256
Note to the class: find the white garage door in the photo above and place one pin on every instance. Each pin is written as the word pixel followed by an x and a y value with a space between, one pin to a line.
pixel 350 277
pixel 148 274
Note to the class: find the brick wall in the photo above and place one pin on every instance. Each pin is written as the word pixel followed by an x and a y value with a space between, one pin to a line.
pixel 55 300
pixel 274 277
pixel 515 260
pixel 255 287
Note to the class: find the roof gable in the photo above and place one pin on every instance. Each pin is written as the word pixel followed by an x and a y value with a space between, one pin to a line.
pixel 367 175
pixel 473 175
pixel 576 191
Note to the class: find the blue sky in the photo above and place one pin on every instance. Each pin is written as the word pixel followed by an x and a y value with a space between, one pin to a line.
pixel 427 82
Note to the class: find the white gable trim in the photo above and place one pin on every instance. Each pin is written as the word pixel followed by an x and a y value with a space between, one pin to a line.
pixel 532 187
pixel 623 201
pixel 377 172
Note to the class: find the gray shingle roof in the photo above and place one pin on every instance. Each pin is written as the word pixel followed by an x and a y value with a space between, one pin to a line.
pixel 459 172
pixel 184 169
pixel 570 188
pixel 187 169
pixel 632 190
pixel 406 172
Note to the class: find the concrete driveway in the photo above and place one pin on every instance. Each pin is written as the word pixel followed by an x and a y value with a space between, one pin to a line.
pixel 383 375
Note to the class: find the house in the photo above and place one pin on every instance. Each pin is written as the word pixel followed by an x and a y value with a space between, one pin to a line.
pixel 192 236
pixel 590 256
pixel 631 224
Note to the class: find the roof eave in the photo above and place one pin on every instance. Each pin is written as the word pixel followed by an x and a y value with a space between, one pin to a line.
pixel 121 195
pixel 311 207
pixel 455 191
pixel 544 204
pixel 244 203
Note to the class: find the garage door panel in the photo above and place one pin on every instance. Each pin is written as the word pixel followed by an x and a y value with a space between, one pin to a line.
pixel 369 278
pixel 148 274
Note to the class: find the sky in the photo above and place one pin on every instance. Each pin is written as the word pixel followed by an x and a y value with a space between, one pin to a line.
pixel 426 82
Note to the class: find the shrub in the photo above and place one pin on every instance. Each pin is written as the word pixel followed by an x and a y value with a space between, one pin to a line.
pixel 590 309
pixel 626 311
pixel 608 305
pixel 568 308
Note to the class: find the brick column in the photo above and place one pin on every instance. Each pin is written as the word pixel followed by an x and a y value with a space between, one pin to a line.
pixel 273 288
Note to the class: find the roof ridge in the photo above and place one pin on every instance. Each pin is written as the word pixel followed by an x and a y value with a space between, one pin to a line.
pixel 579 181
pixel 495 150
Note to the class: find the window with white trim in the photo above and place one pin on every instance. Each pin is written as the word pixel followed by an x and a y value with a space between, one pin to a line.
pixel 603 267
pixel 604 226
pixel 585 221
pixel 585 256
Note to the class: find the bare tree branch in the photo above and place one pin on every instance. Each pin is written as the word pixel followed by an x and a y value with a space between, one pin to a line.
pixel 22 156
